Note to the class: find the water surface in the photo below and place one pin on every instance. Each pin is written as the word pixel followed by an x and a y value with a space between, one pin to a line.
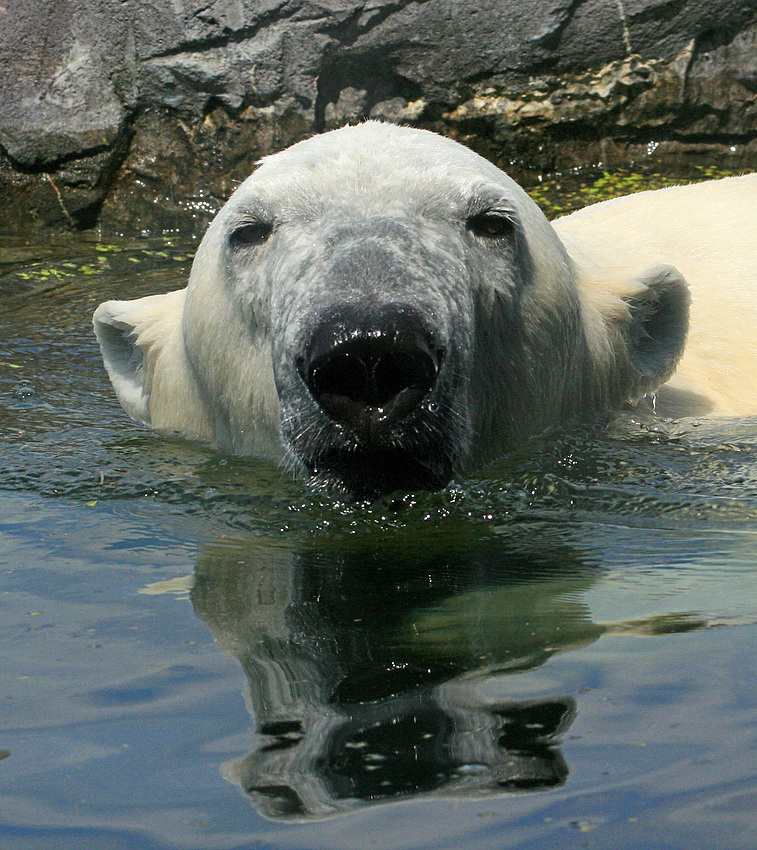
pixel 197 652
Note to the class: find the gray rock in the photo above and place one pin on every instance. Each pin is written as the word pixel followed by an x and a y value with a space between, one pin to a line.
pixel 143 116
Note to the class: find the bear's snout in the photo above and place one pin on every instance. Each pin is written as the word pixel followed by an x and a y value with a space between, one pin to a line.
pixel 370 369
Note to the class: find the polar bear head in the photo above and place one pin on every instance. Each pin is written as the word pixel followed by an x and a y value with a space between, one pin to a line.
pixel 379 307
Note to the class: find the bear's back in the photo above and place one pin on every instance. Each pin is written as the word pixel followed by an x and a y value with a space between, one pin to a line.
pixel 708 231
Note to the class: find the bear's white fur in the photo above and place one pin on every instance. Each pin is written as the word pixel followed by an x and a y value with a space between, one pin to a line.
pixel 537 324
pixel 708 231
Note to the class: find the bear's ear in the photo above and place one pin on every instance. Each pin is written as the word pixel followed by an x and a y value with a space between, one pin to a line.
pixel 655 334
pixel 131 335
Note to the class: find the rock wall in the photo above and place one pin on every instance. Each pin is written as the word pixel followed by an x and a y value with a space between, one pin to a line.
pixel 143 115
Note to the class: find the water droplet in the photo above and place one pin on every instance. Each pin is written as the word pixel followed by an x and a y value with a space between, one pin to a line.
pixel 24 389
pixel 472 769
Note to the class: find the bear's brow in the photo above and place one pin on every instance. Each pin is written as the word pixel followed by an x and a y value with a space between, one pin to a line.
pixel 491 200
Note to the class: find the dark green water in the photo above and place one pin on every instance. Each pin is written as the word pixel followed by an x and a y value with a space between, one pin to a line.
pixel 195 652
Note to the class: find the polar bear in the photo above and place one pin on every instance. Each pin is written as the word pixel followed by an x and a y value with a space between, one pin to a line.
pixel 378 308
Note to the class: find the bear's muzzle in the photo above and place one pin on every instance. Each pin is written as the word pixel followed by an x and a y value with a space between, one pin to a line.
pixel 368 370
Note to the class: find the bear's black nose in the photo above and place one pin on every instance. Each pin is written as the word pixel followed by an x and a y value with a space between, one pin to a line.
pixel 369 371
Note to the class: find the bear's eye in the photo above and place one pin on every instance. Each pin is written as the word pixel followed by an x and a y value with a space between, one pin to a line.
pixel 491 224
pixel 252 233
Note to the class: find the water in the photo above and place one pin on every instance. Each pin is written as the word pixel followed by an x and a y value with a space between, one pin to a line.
pixel 196 652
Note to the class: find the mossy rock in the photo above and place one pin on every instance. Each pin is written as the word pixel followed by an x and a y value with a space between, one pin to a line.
pixel 562 195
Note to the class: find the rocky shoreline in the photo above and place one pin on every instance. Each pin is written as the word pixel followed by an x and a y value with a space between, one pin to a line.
pixel 142 117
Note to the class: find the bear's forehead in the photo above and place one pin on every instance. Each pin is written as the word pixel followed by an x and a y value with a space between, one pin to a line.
pixel 374 143
pixel 373 167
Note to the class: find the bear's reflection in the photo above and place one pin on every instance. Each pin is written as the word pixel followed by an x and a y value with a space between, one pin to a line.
pixel 383 670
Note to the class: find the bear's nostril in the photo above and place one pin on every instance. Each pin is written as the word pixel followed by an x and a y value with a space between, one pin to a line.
pixel 340 372
pixel 408 367
pixel 372 378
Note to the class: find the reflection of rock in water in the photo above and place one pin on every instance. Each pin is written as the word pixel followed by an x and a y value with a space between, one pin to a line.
pixel 370 676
